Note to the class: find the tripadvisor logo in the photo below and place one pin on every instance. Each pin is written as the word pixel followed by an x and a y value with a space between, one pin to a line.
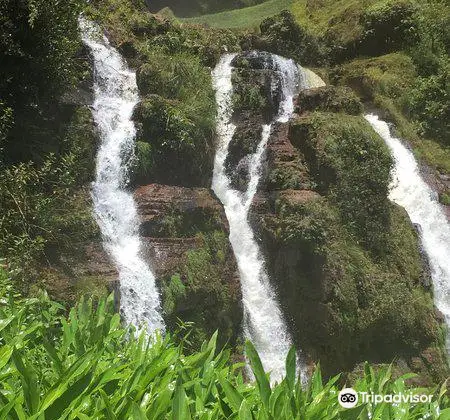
pixel 348 398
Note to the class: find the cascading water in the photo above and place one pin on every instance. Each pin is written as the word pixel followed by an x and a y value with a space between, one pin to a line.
pixel 410 191
pixel 115 97
pixel 263 320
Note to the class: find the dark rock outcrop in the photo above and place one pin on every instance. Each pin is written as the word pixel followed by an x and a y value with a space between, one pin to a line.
pixel 185 232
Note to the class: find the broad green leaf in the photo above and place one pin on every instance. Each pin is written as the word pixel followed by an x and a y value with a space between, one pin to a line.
pixel 291 365
pixel 258 371
pixel 244 412
pixel 180 409
pixel 233 396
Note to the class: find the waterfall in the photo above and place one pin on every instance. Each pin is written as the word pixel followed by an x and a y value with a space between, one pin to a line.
pixel 410 191
pixel 263 320
pixel 116 95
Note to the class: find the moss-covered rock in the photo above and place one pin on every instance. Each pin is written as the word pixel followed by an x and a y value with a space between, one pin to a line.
pixel 186 235
pixel 346 306
pixel 284 36
pixel 329 99
pixel 202 293
pixel 181 152
pixel 351 165
pixel 343 258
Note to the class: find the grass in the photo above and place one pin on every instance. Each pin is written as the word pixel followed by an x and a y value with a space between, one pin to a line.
pixel 248 17
pixel 387 82
pixel 319 16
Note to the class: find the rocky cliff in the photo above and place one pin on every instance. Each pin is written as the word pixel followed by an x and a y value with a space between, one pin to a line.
pixel 345 261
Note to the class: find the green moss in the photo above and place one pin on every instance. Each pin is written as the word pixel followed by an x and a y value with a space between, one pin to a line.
pixel 203 293
pixel 444 198
pixel 351 165
pixel 288 177
pixel 330 99
pixel 92 286
pixel 347 305
pixel 186 223
pixel 202 264
pixel 388 75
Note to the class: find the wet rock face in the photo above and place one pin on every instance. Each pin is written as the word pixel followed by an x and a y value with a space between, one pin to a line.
pixel 256 73
pixel 185 232
pixel 242 146
pixel 256 100
pixel 171 211
pixel 284 166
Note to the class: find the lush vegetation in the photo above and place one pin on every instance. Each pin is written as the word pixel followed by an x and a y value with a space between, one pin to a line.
pixel 359 257
pixel 86 365
pixel 248 17
pixel 408 40
pixel 395 56
pixel 197 7
pixel 46 141
pixel 338 244
pixel 176 117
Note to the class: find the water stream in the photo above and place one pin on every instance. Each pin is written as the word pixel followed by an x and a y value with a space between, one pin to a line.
pixel 263 321
pixel 116 95
pixel 410 191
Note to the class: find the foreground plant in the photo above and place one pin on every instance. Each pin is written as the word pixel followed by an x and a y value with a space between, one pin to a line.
pixel 88 366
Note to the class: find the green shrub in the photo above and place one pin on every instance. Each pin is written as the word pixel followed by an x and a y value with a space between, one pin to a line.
pixel 181 150
pixel 390 82
pixel 40 36
pixel 429 104
pixel 142 163
pixel 173 291
pixel 389 26
pixel 283 36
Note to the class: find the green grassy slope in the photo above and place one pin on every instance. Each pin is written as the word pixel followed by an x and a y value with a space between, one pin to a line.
pixel 248 17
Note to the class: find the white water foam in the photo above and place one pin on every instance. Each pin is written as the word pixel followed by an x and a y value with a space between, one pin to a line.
pixel 263 320
pixel 116 95
pixel 410 191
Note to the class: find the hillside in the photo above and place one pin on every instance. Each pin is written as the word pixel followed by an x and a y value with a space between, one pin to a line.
pixel 248 17
pixel 401 70
pixel 238 180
